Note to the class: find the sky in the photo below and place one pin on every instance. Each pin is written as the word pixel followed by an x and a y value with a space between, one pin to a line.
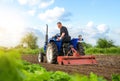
pixel 93 19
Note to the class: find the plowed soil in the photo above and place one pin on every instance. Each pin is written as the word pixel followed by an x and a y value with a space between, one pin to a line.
pixel 107 65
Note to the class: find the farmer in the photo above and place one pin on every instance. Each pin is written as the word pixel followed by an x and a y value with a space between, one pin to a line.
pixel 64 35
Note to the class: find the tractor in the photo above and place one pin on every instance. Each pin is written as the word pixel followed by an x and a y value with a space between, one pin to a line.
pixel 70 53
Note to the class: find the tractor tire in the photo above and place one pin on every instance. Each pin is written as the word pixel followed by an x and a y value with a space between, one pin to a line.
pixel 80 49
pixel 51 53
pixel 40 58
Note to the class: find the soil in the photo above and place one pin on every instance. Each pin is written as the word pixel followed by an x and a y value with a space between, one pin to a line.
pixel 107 65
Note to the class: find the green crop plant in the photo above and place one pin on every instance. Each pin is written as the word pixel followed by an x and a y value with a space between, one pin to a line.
pixel 10 66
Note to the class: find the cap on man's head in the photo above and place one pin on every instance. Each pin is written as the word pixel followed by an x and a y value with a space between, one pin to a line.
pixel 59 23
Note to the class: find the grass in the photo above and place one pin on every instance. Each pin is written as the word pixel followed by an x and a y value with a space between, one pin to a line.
pixel 28 51
pixel 92 50
pixel 23 50
pixel 107 51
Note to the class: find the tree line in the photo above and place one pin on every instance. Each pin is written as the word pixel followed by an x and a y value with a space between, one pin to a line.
pixel 30 40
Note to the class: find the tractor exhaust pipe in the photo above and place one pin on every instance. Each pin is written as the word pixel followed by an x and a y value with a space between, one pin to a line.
pixel 46 37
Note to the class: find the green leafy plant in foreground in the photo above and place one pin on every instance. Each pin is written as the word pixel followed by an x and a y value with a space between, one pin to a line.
pixel 10 67
pixel 116 77
pixel 36 73
pixel 13 69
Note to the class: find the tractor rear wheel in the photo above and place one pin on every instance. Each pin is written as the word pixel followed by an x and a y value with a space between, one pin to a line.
pixel 80 49
pixel 51 53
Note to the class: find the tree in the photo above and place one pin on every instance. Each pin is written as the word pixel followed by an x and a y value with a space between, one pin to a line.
pixel 30 40
pixel 104 43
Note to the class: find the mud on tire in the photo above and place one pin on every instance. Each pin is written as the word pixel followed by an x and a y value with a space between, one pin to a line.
pixel 51 53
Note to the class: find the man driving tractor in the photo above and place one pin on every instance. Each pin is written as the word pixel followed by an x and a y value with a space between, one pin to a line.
pixel 64 35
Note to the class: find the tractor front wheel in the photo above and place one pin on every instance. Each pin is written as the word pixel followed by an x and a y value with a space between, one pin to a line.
pixel 40 57
pixel 51 53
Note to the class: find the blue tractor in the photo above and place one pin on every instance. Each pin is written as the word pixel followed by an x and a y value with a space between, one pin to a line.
pixel 56 52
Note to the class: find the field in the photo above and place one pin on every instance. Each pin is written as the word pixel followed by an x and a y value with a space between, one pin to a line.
pixel 106 67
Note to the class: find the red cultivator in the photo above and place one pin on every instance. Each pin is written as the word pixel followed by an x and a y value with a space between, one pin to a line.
pixel 76 59
pixel 73 60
